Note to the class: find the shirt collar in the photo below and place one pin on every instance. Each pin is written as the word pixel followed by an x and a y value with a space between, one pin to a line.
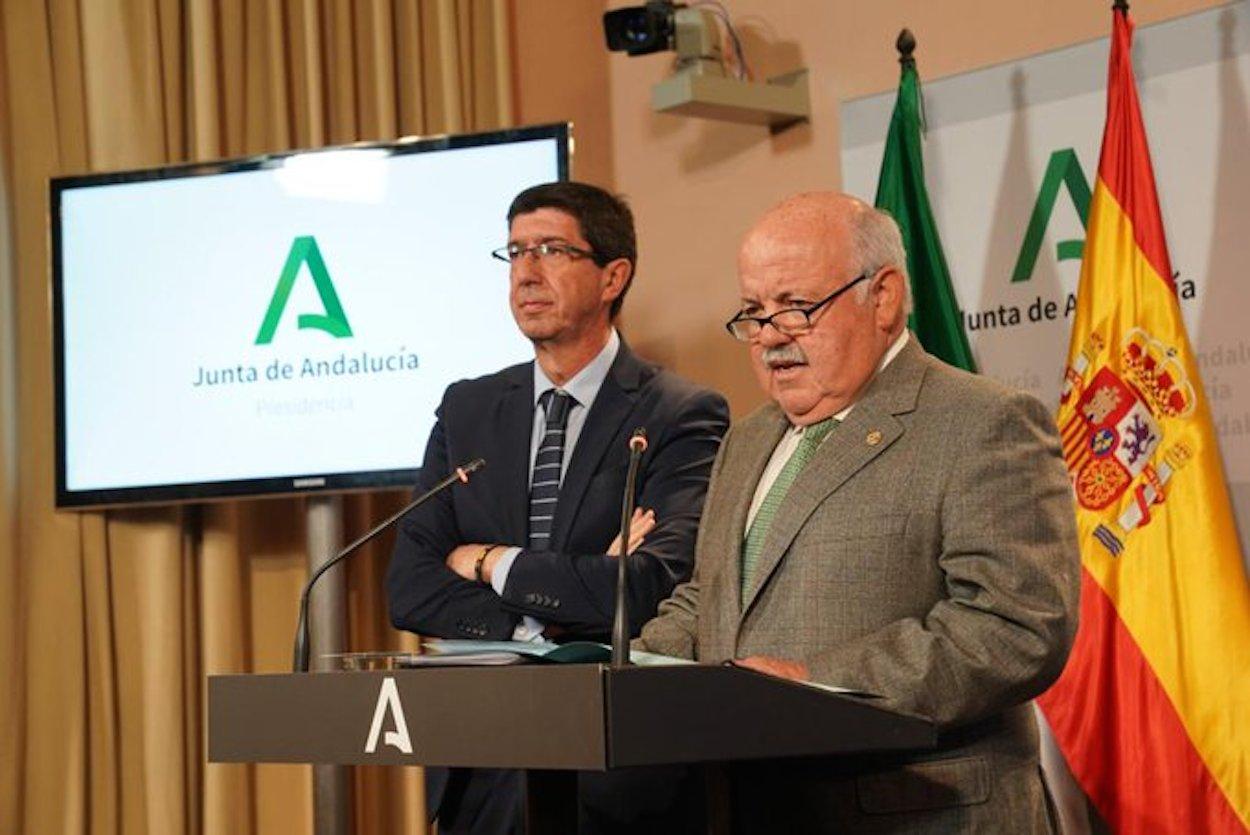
pixel 585 384
pixel 894 349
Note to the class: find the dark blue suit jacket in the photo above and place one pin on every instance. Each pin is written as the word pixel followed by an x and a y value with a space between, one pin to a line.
pixel 572 585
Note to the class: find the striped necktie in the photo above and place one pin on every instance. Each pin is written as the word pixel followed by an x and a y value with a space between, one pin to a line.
pixel 754 542
pixel 545 480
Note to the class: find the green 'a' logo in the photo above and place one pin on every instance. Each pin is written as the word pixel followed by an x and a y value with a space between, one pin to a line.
pixel 1064 169
pixel 334 322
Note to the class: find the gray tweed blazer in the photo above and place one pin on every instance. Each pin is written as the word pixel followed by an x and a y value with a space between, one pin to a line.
pixel 927 554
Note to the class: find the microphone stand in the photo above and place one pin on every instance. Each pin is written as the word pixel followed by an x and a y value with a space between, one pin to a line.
pixel 461 474
pixel 620 622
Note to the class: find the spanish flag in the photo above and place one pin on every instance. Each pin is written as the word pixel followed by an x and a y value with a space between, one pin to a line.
pixel 1153 710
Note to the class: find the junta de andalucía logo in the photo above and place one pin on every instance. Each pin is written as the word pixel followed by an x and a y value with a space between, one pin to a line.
pixel 333 320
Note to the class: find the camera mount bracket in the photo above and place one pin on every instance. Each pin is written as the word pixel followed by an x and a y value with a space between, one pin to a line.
pixel 779 103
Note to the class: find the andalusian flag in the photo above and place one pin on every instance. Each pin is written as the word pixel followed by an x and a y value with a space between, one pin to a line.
pixel 1153 710
pixel 935 315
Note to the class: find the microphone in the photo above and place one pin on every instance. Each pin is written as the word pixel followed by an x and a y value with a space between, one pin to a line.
pixel 460 474
pixel 620 622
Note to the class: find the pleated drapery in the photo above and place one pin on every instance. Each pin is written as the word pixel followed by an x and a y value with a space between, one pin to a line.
pixel 110 621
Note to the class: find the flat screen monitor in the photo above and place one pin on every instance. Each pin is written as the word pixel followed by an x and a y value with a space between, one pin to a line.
pixel 280 324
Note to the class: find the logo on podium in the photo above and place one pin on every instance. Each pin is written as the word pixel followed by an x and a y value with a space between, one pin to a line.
pixel 388 702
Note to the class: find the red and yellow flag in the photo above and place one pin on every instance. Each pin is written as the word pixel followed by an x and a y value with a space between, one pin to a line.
pixel 1153 709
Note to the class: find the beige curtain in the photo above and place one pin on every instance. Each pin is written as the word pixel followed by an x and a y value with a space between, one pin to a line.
pixel 109 622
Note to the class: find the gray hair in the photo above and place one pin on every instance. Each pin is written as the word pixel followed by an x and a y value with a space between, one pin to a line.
pixel 878 243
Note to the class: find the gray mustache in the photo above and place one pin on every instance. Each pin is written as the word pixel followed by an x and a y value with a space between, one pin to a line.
pixel 790 354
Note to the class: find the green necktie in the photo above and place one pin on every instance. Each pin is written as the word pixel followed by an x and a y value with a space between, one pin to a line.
pixel 812 436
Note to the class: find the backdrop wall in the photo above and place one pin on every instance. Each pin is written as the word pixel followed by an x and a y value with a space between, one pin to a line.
pixel 697 185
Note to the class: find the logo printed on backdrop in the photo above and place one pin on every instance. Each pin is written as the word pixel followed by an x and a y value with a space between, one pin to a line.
pixel 1063 173
pixel 304 250
pixel 1064 169
pixel 388 701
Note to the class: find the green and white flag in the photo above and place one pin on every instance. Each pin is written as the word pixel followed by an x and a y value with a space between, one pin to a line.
pixel 935 317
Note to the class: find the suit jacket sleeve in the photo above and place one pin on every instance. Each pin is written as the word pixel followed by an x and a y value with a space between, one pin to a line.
pixel 675 629
pixel 1010 561
pixel 672 481
pixel 425 595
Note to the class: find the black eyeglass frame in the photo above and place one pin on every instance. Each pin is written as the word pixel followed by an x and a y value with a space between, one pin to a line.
pixel 513 251
pixel 807 312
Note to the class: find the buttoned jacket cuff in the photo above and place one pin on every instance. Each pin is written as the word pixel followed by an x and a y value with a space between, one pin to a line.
pixel 528 629
pixel 499 575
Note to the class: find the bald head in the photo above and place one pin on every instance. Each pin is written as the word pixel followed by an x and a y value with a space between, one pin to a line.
pixel 814 214
pixel 797 256
pixel 839 224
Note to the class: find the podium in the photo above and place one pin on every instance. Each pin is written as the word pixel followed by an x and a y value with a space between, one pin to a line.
pixel 549 719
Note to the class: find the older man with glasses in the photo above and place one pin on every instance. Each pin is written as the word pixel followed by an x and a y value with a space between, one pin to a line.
pixel 528 548
pixel 886 523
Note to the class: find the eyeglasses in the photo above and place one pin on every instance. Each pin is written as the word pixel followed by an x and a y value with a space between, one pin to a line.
pixel 547 251
pixel 791 321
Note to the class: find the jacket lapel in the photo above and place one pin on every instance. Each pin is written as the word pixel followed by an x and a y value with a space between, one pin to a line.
pixel 509 459
pixel 869 430
pixel 614 402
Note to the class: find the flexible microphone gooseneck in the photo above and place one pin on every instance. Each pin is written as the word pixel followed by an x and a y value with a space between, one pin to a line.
pixel 620 623
pixel 460 474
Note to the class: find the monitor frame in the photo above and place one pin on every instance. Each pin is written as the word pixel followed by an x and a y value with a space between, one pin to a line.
pixel 270 487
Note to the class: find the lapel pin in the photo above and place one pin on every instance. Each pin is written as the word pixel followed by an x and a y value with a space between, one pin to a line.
pixel 874 437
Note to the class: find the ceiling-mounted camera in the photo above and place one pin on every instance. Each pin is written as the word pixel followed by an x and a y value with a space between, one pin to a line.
pixel 699 85
pixel 640 30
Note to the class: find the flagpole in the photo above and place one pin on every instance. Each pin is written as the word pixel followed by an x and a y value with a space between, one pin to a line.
pixel 906 46
pixel 936 319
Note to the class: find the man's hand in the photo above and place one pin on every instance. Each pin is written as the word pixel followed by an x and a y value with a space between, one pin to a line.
pixel 793 670
pixel 463 560
pixel 640 524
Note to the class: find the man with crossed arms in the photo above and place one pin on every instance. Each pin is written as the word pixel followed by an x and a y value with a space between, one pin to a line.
pixel 526 549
